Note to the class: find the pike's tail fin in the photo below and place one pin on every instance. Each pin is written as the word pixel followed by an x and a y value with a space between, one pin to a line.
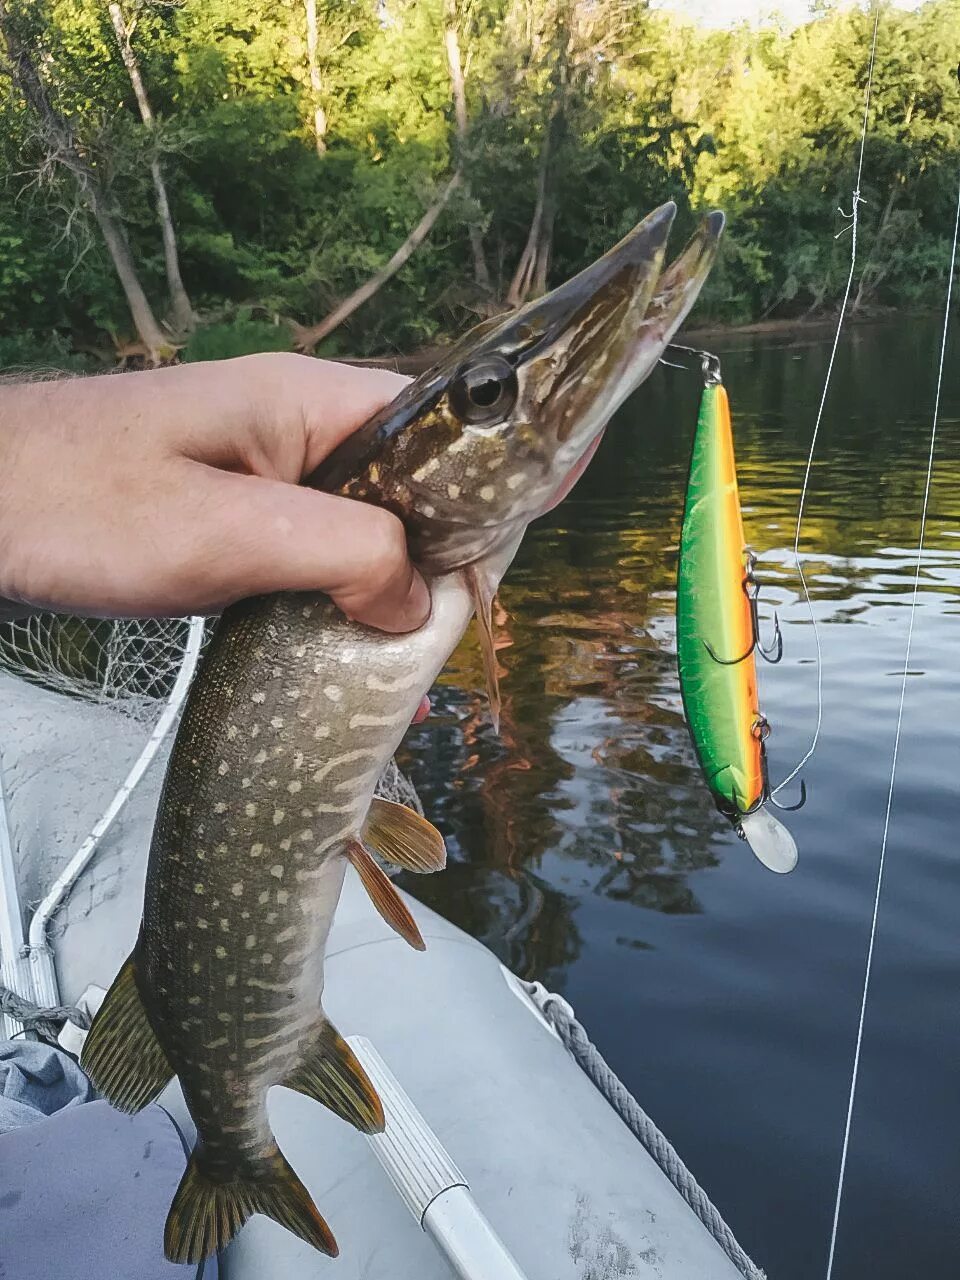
pixel 770 841
pixel 208 1212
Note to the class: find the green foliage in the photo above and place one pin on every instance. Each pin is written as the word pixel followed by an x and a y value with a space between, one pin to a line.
pixel 240 337
pixel 618 105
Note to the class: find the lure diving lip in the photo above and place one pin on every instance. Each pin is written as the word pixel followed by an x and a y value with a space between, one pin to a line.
pixel 717 637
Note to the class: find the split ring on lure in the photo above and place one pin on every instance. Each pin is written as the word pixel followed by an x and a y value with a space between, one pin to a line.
pixel 717 593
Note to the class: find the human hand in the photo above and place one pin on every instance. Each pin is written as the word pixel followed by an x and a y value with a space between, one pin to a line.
pixel 175 491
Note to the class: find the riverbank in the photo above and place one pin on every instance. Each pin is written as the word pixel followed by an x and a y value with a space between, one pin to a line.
pixel 415 362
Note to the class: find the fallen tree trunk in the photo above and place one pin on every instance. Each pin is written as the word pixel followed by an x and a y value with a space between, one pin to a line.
pixel 306 337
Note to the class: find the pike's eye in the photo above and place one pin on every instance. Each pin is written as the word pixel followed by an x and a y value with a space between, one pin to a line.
pixel 485 392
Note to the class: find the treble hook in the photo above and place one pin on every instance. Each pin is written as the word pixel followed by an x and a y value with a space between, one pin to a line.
pixel 768 794
pixel 751 588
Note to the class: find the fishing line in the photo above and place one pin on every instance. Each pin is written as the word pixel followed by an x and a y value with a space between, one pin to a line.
pixel 853 225
pixel 896 747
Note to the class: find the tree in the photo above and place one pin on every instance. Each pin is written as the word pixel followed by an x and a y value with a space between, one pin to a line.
pixel 181 310
pixel 451 40
pixel 60 149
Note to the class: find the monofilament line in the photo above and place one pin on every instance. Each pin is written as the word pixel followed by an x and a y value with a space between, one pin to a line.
pixel 853 226
pixel 896 747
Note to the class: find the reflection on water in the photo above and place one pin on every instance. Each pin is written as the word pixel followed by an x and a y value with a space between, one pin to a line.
pixel 586 852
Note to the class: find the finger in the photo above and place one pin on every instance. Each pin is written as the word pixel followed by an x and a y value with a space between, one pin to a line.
pixel 252 535
pixel 422 711
pixel 330 400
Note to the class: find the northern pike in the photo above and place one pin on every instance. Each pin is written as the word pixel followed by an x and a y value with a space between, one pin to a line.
pixel 717 637
pixel 295 711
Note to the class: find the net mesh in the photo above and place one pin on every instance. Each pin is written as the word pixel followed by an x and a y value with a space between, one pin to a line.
pixel 129 664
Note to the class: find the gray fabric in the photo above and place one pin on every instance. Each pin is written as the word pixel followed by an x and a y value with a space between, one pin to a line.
pixel 85 1197
pixel 37 1080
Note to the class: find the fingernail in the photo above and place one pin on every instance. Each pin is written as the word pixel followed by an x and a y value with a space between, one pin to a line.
pixel 417 606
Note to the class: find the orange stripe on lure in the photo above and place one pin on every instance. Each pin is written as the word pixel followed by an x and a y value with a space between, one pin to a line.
pixel 717 636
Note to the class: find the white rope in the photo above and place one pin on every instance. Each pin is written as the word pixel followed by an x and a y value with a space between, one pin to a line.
pixel 853 224
pixel 896 748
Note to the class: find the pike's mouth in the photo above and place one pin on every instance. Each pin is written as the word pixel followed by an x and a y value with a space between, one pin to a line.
pixel 574 474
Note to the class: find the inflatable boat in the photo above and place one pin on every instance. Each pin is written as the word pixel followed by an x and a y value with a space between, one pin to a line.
pixel 501 1159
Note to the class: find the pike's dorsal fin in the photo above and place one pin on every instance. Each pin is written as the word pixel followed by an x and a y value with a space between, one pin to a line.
pixel 402 836
pixel 122 1055
pixel 384 896
pixel 484 594
pixel 330 1072
pixel 771 842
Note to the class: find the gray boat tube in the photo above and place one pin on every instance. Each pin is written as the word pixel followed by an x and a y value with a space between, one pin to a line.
pixel 565 1188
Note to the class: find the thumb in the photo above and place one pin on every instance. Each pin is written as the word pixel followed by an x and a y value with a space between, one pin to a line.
pixel 266 535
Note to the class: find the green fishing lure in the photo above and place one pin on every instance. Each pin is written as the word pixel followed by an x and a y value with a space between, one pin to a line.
pixel 717 637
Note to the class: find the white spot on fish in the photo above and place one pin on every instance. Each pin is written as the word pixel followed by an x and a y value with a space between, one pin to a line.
pixel 232 731
pixel 453 490
pixel 277 870
pixel 427 469
pixel 278 816
pixel 347 758
pixel 294 786
pixel 258 696
pixel 223 768
pixel 220 953
pixel 277 722
pixel 333 692
pixel 374 683
pixel 321 731
pixel 250 941
pixel 516 480
pixel 220 807
pixel 260 757
pixel 282 897
pixel 256 850
pixel 237 889
pixel 285 844
pixel 263 897
pixel 363 721
pixel 488 493
pixel 250 810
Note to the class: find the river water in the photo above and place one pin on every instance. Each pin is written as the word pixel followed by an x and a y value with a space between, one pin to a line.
pixel 585 850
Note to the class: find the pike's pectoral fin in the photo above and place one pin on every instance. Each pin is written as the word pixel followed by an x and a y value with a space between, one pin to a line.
pixel 121 1054
pixel 207 1212
pixel 770 841
pixel 330 1072
pixel 402 836
pixel 384 896
pixel 484 594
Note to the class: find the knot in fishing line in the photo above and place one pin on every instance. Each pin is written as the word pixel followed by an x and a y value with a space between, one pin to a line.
pixel 856 200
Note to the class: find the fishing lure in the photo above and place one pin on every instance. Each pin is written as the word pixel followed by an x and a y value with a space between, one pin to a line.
pixel 718 637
